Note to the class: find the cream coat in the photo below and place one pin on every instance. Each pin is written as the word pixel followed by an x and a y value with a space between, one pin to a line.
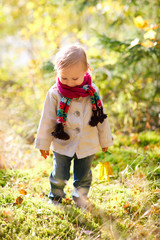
pixel 84 139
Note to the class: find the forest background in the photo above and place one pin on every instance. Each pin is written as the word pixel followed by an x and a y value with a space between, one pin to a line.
pixel 121 39
pixel 122 42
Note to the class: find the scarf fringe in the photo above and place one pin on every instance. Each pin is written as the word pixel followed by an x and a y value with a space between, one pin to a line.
pixel 98 116
pixel 102 115
pixel 59 132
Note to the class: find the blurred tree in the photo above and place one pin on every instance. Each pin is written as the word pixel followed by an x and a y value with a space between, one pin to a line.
pixel 136 73
pixel 128 62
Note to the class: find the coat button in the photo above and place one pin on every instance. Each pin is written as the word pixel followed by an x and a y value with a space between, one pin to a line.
pixel 77 130
pixel 77 113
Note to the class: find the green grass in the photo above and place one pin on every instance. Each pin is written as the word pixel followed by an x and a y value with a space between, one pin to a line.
pixel 125 208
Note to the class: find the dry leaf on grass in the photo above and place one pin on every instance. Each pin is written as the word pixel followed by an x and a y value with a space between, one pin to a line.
pixel 22 191
pixel 126 205
pixel 7 213
pixel 19 200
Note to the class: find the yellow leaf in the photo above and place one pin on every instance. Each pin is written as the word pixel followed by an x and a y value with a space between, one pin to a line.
pixel 105 168
pixel 150 34
pixel 101 171
pixel 140 22
pixel 147 44
pixel 108 168
pixel 37 179
pixel 33 215
pixel 22 191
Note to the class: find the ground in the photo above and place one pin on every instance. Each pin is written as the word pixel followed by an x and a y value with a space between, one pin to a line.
pixel 126 207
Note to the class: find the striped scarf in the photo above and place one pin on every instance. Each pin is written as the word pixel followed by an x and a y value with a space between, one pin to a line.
pixel 68 93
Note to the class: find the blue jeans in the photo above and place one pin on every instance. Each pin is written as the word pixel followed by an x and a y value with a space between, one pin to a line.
pixel 61 173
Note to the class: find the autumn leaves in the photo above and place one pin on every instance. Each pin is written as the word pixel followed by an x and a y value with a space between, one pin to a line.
pixel 149 32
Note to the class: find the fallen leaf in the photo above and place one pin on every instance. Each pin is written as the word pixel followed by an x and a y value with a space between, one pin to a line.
pixel 101 171
pixel 45 174
pixel 108 168
pixel 67 201
pixel 135 138
pixel 7 213
pixel 37 179
pixel 21 185
pixel 126 205
pixel 146 147
pixel 19 200
pixel 42 196
pixel 157 190
pixel 104 168
pixel 22 191
pixel 148 125
pixel 33 215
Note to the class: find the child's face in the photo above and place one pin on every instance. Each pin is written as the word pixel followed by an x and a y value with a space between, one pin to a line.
pixel 73 75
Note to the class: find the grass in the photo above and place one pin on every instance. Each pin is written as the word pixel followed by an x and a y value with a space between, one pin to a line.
pixel 125 208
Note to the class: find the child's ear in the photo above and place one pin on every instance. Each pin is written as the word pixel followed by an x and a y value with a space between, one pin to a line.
pixel 87 68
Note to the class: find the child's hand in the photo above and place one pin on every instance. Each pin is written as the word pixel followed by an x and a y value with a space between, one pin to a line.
pixel 105 149
pixel 44 153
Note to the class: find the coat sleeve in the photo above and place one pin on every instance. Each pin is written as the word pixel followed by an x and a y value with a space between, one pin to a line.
pixel 104 131
pixel 47 122
pixel 105 135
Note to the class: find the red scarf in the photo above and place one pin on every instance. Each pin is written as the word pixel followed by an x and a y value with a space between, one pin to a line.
pixel 74 92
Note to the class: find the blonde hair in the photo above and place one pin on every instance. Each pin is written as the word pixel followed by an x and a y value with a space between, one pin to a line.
pixel 70 55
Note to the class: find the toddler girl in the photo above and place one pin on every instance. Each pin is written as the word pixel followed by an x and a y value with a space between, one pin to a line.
pixel 74 124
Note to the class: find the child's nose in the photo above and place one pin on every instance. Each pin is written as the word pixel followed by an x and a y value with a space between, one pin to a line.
pixel 71 83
